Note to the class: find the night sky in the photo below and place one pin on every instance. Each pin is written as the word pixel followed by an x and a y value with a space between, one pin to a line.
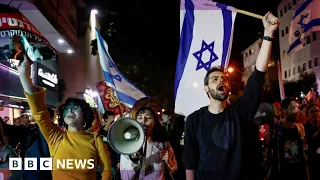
pixel 154 35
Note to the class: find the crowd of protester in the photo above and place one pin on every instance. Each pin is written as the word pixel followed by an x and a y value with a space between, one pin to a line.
pixel 290 143
pixel 287 147
pixel 219 141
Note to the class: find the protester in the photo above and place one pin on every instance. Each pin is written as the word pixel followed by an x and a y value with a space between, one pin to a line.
pixel 288 145
pixel 214 139
pixel 167 121
pixel 25 119
pixel 19 137
pixel 172 123
pixel 108 118
pixel 312 128
pixel 74 143
pixel 6 119
pixel 277 111
pixel 38 148
pixel 7 152
pixel 159 153
pixel 17 121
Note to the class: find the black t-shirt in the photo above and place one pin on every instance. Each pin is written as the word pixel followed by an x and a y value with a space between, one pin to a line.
pixel 290 147
pixel 291 154
pixel 214 142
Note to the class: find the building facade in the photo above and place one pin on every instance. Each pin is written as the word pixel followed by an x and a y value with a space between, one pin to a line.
pixel 86 72
pixel 306 60
pixel 249 61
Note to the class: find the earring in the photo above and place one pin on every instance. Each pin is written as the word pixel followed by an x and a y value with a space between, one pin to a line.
pixel 85 124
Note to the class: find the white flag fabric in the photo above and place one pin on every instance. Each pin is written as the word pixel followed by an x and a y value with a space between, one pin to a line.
pixel 205 42
pixel 306 19
pixel 127 93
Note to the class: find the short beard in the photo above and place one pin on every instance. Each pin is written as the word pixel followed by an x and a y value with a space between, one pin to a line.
pixel 218 96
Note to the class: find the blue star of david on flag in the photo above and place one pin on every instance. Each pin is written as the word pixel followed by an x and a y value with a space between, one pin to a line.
pixel 302 17
pixel 117 77
pixel 198 56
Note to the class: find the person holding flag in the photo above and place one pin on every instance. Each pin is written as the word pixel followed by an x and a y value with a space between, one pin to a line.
pixel 215 147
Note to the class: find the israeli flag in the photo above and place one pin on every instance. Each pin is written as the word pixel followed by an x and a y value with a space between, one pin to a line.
pixel 205 42
pixel 305 20
pixel 127 93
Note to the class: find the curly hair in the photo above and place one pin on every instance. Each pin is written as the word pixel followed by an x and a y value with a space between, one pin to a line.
pixel 88 113
pixel 159 133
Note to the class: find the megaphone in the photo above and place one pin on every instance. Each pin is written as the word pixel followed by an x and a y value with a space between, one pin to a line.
pixel 126 136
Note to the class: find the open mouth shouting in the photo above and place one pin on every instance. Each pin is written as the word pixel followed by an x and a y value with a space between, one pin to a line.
pixel 221 88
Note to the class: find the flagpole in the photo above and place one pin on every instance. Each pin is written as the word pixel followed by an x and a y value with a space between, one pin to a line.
pixel 248 13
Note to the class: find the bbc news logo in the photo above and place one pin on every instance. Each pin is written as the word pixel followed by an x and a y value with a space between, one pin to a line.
pixel 46 164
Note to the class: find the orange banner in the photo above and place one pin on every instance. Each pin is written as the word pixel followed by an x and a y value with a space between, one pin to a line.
pixel 109 100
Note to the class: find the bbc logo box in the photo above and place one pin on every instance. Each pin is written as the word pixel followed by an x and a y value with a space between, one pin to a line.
pixel 16 164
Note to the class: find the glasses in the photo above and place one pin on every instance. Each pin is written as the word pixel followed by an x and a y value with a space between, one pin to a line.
pixel 70 107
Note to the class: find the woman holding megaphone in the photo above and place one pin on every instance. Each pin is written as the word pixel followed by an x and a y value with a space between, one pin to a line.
pixel 159 154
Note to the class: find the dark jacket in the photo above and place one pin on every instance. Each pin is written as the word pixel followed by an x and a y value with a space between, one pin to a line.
pixel 38 149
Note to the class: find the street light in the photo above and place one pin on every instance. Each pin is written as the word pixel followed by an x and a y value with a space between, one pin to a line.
pixel 94 11
pixel 60 41
pixel 230 69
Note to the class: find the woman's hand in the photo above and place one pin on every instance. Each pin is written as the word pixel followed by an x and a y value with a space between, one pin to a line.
pixel 24 69
pixel 24 66
pixel 164 155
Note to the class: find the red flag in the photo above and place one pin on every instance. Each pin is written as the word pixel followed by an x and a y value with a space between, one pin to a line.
pixel 108 98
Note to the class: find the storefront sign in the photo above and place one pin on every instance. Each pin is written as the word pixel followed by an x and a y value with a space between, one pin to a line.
pixel 46 77
pixel 17 35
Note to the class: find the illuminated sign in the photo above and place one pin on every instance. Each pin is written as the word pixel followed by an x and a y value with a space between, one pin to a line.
pixel 18 34
pixel 46 77
pixel 12 64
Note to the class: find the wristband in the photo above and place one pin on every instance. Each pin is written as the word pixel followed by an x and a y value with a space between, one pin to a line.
pixel 268 38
